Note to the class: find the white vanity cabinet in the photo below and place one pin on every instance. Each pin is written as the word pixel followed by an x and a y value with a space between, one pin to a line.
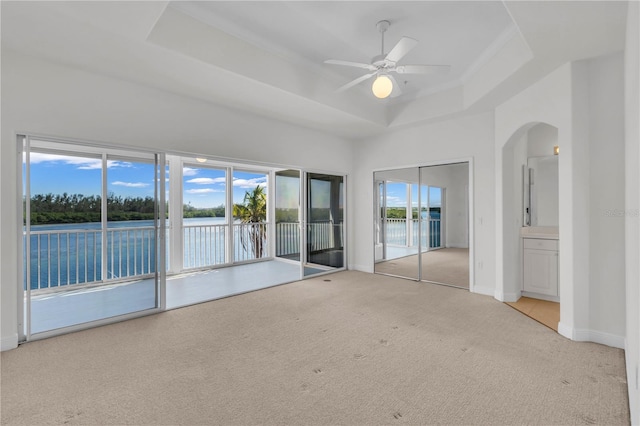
pixel 540 266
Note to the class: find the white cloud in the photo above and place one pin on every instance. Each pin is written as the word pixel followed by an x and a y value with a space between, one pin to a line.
pixel 189 171
pixel 130 184
pixel 206 181
pixel 201 191
pixel 250 183
pixel 393 201
pixel 82 163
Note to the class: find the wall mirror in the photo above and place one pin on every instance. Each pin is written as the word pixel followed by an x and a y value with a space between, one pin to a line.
pixel 541 191
pixel 421 217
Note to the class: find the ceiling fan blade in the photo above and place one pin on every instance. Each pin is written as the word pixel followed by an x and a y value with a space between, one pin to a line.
pixel 422 69
pixel 397 91
pixel 400 49
pixel 350 64
pixel 356 81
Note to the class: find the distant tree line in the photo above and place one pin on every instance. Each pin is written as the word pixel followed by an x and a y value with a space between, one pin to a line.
pixel 79 208
pixel 401 212
pixel 397 213
pixel 188 211
pixel 51 209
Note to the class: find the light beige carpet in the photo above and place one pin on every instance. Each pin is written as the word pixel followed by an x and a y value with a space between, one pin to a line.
pixel 446 266
pixel 345 349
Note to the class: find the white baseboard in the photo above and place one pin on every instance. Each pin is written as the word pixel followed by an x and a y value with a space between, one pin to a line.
pixel 506 297
pixel 632 385
pixel 541 296
pixel 8 343
pixel 565 330
pixel 582 335
pixel 486 291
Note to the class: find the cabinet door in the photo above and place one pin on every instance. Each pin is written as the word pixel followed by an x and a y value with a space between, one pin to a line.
pixel 541 272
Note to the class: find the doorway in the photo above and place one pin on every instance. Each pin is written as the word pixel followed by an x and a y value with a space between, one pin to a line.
pixel 323 223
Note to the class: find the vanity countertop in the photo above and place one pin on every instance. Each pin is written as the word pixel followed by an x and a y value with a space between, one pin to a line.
pixel 543 232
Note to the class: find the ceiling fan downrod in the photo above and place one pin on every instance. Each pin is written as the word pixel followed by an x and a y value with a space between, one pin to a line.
pixel 378 60
pixel 382 26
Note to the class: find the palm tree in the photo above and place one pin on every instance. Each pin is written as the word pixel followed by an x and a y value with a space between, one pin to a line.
pixel 253 211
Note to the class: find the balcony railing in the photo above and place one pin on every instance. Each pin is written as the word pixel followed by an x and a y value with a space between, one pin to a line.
pixel 398 234
pixel 204 245
pixel 287 239
pixel 70 257
pixel 250 241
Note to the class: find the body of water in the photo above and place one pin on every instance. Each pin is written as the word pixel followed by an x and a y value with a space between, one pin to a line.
pixel 67 254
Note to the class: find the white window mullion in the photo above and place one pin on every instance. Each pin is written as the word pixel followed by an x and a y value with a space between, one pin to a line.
pixel 428 218
pixel 176 231
pixel 105 223
pixel 27 224
pixel 230 227
pixel 420 223
pixel 408 216
pixel 161 225
pixel 271 213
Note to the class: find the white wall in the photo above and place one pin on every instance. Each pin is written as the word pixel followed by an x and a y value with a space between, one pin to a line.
pixel 442 142
pixel 632 205
pixel 584 101
pixel 540 140
pixel 45 98
pixel 547 101
pixel 606 189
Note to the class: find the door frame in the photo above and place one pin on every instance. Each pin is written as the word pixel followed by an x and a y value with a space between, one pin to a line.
pixel 304 189
pixel 23 144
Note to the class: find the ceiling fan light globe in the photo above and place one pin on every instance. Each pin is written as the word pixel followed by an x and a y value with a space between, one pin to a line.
pixel 382 87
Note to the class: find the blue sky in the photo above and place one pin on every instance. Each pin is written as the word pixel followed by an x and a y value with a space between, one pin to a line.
pixel 203 187
pixel 397 195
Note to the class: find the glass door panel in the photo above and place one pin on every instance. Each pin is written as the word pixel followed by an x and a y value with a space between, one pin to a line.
pixel 131 204
pixel 250 216
pixel 445 217
pixel 398 228
pixel 204 216
pixel 287 214
pixel 90 235
pixel 324 235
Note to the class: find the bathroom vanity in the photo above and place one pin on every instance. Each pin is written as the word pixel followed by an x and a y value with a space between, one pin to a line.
pixel 540 262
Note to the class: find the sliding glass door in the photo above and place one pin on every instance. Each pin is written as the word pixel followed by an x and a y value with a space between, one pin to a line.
pixel 287 215
pixel 399 231
pixel 91 234
pixel 95 223
pixel 323 223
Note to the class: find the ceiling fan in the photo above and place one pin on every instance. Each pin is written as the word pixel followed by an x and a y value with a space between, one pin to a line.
pixel 383 65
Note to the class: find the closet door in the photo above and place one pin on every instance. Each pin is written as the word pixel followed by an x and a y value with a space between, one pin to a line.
pixel 397 224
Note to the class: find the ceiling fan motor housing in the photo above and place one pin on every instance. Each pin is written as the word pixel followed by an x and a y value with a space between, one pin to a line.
pixel 379 61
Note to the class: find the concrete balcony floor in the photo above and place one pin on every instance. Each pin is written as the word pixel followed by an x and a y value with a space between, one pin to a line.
pixel 53 311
